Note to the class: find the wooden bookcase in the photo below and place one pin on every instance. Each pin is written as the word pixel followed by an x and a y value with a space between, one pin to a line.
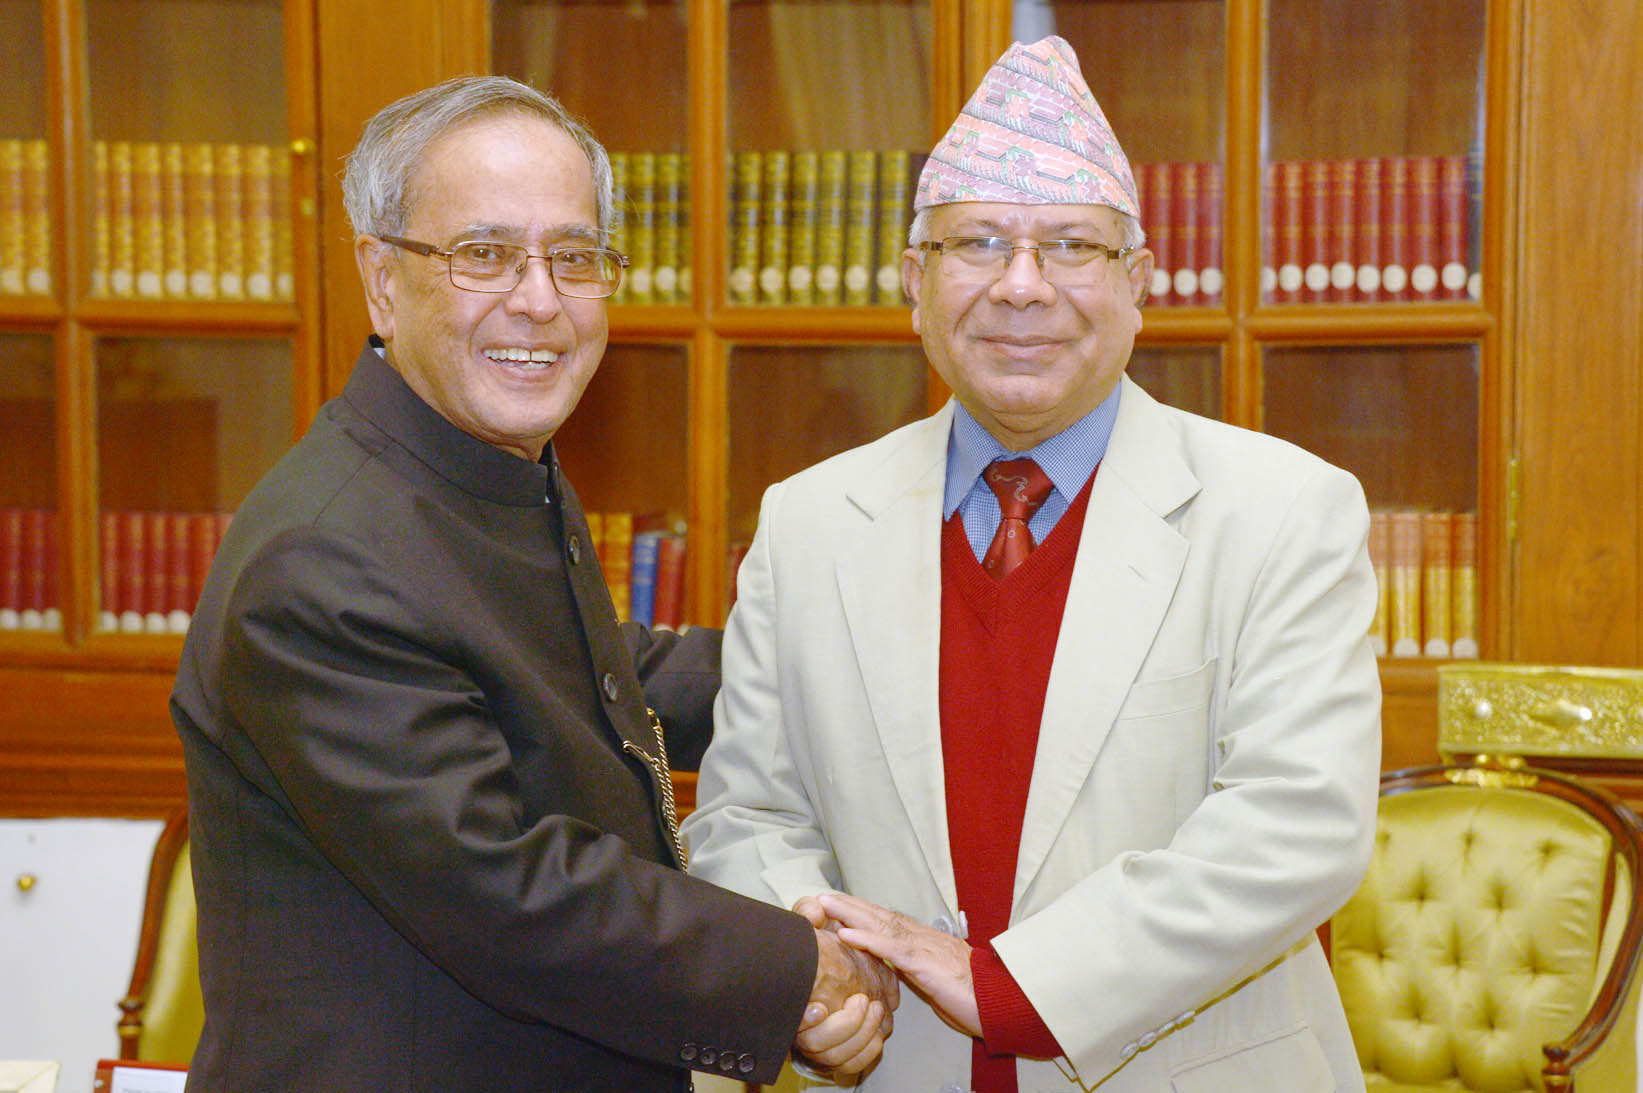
pixel 1523 404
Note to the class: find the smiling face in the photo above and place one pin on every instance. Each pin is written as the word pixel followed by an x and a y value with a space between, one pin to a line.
pixel 506 367
pixel 1025 357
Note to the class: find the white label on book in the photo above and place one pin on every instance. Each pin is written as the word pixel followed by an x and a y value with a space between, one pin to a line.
pixel 1160 283
pixel 1394 277
pixel 1454 276
pixel 131 1079
pixel 1211 281
pixel 1290 277
pixel 1423 278
pixel 1317 277
pixel 1342 275
pixel 1369 279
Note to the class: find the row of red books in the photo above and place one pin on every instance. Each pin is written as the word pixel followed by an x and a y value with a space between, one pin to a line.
pixel 28 569
pixel 1181 210
pixel 153 567
pixel 1378 229
pixel 1427 565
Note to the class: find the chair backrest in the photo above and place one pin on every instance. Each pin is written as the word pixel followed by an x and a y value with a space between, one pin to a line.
pixel 1494 942
pixel 162 1012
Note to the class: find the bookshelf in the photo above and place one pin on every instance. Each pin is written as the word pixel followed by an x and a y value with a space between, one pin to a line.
pixel 157 349
pixel 1521 403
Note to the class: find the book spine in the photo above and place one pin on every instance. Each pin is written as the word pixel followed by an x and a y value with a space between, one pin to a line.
pixel 773 197
pixel 744 239
pixel 801 235
pixel 1189 216
pixel 1315 231
pixel 122 274
pixel 11 218
pixel 686 278
pixel 109 592
pixel 670 582
pixel 102 222
pixel 229 163
pixel 133 544
pixel 1423 227
pixel 181 591
pixel 1366 231
pixel 149 207
pixel 1395 228
pixel 1156 197
pixel 202 548
pixel 36 565
pixel 37 218
pixel 1463 592
pixel 284 234
pixel 860 217
pixel 174 218
pixel 1405 632
pixel 1436 581
pixel 1453 274
pixel 669 168
pixel 259 222
pixel 1268 277
pixel 616 559
pixel 200 192
pixel 830 216
pixel 1380 559
pixel 1343 203
pixel 11 568
pixel 157 572
pixel 643 578
pixel 641 228
pixel 1289 210
pixel 894 214
pixel 1211 198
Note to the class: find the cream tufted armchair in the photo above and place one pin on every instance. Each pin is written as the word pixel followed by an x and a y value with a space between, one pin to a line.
pixel 1493 944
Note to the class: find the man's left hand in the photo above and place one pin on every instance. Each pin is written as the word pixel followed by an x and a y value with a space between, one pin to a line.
pixel 935 964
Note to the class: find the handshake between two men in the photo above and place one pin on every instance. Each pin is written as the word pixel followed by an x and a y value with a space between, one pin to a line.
pixel 863 948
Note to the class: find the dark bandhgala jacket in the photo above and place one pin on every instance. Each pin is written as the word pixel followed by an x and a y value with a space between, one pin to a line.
pixel 422 856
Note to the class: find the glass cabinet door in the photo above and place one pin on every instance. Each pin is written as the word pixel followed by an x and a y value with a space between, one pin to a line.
pixel 190 171
pixel 1187 377
pixel 25 191
pixel 583 53
pixel 829 121
pixel 793 406
pixel 1158 68
pixel 185 428
pixel 29 531
pixel 1404 420
pixel 1374 127
pixel 625 451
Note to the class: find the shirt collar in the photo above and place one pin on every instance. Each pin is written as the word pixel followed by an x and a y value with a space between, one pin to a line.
pixel 1069 457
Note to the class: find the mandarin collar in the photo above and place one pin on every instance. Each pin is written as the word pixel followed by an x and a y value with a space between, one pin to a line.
pixel 380 394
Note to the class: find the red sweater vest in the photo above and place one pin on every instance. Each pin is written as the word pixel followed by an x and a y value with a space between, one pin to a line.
pixel 998 640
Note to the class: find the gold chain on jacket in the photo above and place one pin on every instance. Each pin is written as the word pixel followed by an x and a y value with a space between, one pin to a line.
pixel 664 780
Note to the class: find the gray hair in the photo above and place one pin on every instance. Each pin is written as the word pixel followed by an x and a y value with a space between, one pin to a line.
pixel 1134 237
pixel 392 146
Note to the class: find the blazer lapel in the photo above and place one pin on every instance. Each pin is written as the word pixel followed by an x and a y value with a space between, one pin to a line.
pixel 1129 561
pixel 889 579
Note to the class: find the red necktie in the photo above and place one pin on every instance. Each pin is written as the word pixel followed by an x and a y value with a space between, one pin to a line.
pixel 1021 487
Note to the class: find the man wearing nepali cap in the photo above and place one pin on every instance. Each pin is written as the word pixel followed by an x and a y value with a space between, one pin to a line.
pixel 1069 691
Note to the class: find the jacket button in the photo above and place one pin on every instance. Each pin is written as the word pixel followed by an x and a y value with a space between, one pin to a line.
pixel 609 684
pixel 944 924
pixel 688 1052
pixel 727 1062
pixel 746 1063
pixel 575 547
pixel 709 1056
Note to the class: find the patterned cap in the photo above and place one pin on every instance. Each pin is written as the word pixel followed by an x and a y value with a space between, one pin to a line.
pixel 1032 134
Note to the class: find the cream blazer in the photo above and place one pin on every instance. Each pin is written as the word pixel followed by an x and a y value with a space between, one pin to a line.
pixel 1205 788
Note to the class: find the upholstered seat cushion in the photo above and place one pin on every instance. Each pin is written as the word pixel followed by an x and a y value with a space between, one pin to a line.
pixel 1475 939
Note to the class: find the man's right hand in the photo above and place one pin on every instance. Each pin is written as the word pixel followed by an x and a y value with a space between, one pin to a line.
pixel 850 1011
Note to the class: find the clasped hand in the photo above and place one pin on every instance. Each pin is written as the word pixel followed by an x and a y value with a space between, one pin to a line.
pixel 863 948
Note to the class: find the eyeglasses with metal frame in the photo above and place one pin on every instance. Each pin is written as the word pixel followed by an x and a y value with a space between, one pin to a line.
pixel 483 265
pixel 1060 261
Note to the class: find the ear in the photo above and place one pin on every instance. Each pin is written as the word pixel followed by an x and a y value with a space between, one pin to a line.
pixel 378 271
pixel 1139 272
pixel 912 280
